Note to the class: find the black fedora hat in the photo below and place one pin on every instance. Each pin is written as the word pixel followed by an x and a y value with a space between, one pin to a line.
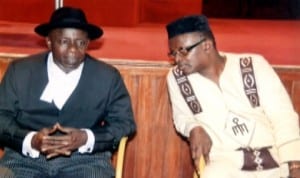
pixel 69 17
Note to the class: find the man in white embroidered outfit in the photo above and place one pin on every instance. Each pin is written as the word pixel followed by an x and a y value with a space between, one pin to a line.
pixel 63 112
pixel 233 108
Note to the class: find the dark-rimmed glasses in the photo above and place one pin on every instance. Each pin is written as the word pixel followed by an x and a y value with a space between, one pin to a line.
pixel 184 51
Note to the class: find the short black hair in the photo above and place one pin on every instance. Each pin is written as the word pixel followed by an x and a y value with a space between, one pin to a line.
pixel 191 23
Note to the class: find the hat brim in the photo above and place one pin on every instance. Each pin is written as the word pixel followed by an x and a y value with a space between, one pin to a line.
pixel 92 30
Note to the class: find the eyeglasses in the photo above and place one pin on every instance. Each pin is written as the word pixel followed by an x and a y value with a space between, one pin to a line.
pixel 79 43
pixel 184 51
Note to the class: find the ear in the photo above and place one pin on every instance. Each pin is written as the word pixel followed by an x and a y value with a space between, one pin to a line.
pixel 88 42
pixel 207 45
pixel 48 42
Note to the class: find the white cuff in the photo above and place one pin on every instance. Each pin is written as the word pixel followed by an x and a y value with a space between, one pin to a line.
pixel 89 145
pixel 27 149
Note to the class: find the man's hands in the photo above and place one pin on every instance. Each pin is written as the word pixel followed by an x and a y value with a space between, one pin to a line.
pixel 200 144
pixel 53 145
pixel 295 173
pixel 294 168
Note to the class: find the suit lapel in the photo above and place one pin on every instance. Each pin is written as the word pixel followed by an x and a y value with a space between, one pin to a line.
pixel 77 98
pixel 40 77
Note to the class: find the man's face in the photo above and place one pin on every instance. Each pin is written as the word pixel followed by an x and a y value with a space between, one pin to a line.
pixel 188 52
pixel 68 46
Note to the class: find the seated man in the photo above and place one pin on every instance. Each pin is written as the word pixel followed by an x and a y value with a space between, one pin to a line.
pixel 232 107
pixel 63 112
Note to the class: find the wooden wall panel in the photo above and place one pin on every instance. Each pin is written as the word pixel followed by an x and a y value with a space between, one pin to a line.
pixel 296 95
pixel 156 150
pixel 3 67
pixel 291 79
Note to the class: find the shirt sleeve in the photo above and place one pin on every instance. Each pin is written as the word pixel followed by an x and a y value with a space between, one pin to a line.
pixel 278 107
pixel 27 149
pixel 89 146
pixel 183 118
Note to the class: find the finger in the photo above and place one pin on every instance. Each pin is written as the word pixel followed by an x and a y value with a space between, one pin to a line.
pixel 46 148
pixel 65 129
pixel 55 153
pixel 56 125
pixel 50 148
pixel 206 154
pixel 59 127
pixel 55 143
pixel 65 152
pixel 206 158
pixel 52 155
pixel 193 152
pixel 53 129
pixel 197 152
pixel 196 163
pixel 47 131
pixel 58 138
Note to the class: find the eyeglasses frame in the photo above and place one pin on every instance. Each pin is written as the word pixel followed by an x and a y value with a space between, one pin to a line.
pixel 184 51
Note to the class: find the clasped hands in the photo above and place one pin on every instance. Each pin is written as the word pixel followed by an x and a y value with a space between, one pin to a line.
pixel 51 144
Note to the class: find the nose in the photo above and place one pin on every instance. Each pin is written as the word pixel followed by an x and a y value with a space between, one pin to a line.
pixel 178 58
pixel 72 46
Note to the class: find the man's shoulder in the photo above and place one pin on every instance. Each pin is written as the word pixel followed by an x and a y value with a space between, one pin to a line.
pixel 34 58
pixel 30 61
pixel 256 58
pixel 241 55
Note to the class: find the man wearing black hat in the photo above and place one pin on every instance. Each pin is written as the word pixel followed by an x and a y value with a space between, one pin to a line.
pixel 63 112
pixel 233 108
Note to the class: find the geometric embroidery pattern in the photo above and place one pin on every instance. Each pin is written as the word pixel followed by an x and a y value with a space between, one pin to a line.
pixel 187 91
pixel 249 81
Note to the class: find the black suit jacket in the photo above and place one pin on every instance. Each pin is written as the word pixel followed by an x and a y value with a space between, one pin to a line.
pixel 100 102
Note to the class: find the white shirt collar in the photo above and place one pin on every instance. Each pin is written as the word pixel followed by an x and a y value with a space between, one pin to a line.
pixel 60 84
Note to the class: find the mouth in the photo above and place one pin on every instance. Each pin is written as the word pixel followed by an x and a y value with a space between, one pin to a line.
pixel 182 66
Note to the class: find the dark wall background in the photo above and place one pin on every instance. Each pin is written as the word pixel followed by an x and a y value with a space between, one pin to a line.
pixel 133 12
pixel 102 12
pixel 252 9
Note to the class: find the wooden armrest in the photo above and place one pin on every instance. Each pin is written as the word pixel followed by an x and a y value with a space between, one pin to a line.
pixel 200 168
pixel 120 157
